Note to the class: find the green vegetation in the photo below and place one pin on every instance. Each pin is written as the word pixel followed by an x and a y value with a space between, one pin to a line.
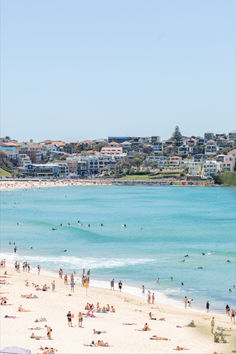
pixel 227 178
pixel 4 173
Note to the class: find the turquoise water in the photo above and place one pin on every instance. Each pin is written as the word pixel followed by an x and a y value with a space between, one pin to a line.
pixel 163 225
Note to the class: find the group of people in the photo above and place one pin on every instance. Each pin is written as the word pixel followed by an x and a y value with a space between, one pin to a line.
pixel 230 313
pixel 120 285
pixel 3 263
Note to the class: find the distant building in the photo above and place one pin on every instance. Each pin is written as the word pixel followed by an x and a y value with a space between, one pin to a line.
pixel 208 136
pixel 45 170
pixel 227 166
pixel 232 135
pixel 210 168
pixel 175 161
pixel 154 139
pixel 211 148
pixel 112 151
pixel 119 139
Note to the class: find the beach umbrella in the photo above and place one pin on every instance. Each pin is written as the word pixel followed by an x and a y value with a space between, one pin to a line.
pixel 15 350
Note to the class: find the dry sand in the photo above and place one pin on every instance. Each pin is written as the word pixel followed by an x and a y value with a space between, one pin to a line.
pixel 32 184
pixel 122 339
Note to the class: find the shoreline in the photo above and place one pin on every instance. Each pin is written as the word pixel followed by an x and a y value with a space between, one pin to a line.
pixel 9 185
pixel 130 309
pixel 130 290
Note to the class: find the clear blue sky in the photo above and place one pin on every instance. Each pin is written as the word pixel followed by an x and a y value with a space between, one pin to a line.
pixel 79 69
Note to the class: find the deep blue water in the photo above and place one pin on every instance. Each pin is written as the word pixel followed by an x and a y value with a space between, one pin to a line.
pixel 163 225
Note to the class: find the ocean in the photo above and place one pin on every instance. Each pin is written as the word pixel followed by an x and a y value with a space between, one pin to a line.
pixel 163 225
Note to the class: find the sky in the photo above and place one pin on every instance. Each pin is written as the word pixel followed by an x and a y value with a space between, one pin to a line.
pixel 75 69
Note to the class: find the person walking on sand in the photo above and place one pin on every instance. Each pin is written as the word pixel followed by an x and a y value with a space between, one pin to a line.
pixel 143 290
pixel 120 285
pixel 233 315
pixel 153 298
pixel 72 285
pixel 65 279
pixel 185 302
pixel 69 319
pixel 80 319
pixel 112 284
pixel 53 285
pixel 207 306
pixel 212 324
pixel 38 269
pixel 149 297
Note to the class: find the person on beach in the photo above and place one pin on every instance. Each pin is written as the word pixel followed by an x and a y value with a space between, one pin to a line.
pixel 65 279
pixel 72 285
pixel 146 328
pixel 227 310
pixel 120 285
pixel 98 332
pixel 149 297
pixel 153 298
pixel 53 285
pixel 152 318
pixel 185 302
pixel 112 284
pixel 232 316
pixel 69 319
pixel 38 269
pixel 80 319
pixel 212 324
pixel 20 309
pixel 143 290
pixel 207 306
pixel 49 332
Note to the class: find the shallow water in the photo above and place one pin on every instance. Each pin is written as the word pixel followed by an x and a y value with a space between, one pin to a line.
pixel 163 225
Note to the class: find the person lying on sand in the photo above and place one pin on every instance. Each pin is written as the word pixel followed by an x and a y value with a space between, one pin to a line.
pixel 180 348
pixel 129 324
pixel 7 316
pixel 35 328
pixel 30 296
pixel 42 319
pixel 100 343
pixel 162 319
pixel 98 332
pixel 33 336
pixel 112 309
pixel 150 316
pixel 158 338
pixel 191 324
pixel 47 350
pixel 20 309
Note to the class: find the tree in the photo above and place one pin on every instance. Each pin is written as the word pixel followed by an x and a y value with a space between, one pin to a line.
pixel 177 136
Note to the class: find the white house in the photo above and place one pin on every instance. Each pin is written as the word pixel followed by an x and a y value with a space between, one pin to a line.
pixel 210 168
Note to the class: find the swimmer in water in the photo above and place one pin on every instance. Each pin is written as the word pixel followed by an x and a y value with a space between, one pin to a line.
pixel 228 261
pixel 124 225
pixel 203 253
pixel 101 224
pixel 182 284
pixel 88 225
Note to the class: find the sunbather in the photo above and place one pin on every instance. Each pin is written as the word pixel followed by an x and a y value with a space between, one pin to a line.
pixel 98 332
pixel 158 338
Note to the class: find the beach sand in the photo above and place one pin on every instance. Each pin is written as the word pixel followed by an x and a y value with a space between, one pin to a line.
pixel 122 338
pixel 32 184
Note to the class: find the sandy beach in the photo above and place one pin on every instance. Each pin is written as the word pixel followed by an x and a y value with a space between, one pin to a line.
pixel 34 184
pixel 54 306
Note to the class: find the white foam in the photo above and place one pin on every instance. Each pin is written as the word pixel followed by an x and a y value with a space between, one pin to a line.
pixel 77 262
